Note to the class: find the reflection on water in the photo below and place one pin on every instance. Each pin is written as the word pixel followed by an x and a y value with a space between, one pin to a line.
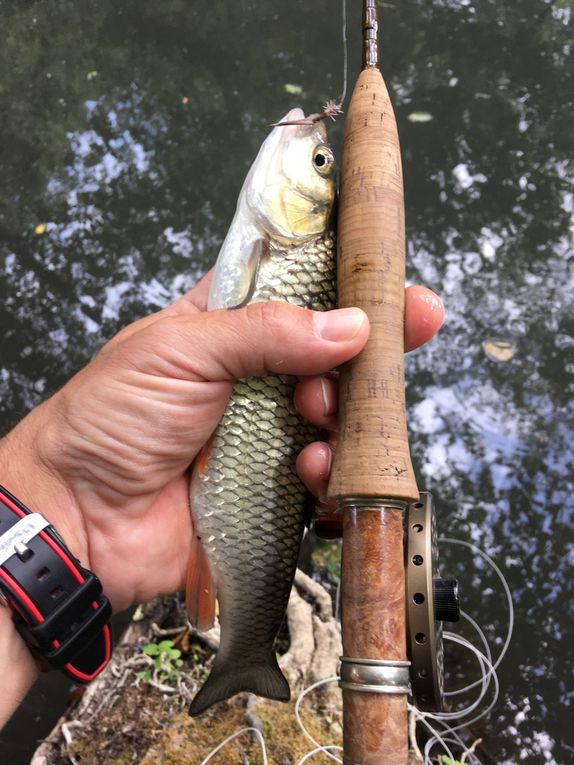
pixel 126 131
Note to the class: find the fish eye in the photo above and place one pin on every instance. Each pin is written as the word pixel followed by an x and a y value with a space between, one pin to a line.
pixel 323 160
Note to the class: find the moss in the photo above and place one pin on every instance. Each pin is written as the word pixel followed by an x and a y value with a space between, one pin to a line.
pixel 326 559
pixel 189 740
pixel 131 724
pixel 142 728
pixel 117 737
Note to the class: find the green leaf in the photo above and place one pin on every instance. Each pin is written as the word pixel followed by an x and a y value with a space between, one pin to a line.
pixel 499 350
pixel 420 117
pixel 294 90
pixel 151 649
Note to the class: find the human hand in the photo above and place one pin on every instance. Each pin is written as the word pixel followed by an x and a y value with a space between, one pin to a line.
pixel 106 458
pixel 317 399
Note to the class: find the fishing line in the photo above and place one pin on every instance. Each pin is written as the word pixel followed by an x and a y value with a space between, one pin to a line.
pixel 441 718
pixel 443 742
pixel 304 730
pixel 485 681
pixel 440 738
pixel 458 639
pixel 448 734
pixel 258 735
pixel 487 669
pixel 436 738
pixel 490 562
pixel 318 747
pixel 338 602
pixel 484 641
pixel 345 55
pixel 452 737
pixel 331 108
pixel 317 750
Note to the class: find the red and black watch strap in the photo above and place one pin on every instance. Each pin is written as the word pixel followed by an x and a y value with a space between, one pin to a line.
pixel 58 605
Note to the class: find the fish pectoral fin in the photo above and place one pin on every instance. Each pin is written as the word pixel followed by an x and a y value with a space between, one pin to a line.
pixel 251 257
pixel 236 271
pixel 234 675
pixel 200 587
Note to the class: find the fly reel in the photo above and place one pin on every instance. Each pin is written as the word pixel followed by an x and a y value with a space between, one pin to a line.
pixel 430 601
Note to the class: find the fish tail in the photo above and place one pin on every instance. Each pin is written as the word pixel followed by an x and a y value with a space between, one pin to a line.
pixel 229 677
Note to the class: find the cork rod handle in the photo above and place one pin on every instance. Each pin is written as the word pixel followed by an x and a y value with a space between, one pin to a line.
pixel 373 458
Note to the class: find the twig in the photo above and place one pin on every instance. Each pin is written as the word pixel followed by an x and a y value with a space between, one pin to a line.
pixel 170 632
pixel 210 638
pixel 66 728
pixel 185 692
pixel 470 750
pixel 413 736
pixel 161 687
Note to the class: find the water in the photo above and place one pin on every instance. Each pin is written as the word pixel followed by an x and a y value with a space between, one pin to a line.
pixel 126 131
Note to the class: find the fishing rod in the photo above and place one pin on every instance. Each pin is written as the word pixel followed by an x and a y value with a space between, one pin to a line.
pixel 385 603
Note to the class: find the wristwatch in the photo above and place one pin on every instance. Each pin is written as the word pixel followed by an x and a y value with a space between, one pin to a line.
pixel 58 606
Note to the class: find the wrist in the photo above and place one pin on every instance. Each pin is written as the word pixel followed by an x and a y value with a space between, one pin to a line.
pixel 56 603
pixel 18 669
pixel 36 466
pixel 29 470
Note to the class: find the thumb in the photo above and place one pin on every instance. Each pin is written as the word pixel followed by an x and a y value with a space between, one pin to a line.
pixel 260 338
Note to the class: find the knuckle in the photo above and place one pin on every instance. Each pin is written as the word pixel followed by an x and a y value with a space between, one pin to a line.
pixel 268 313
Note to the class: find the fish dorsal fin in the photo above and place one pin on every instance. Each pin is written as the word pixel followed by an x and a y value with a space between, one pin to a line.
pixel 236 271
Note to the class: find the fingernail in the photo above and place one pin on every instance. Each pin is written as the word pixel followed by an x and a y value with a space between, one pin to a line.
pixel 433 301
pixel 327 455
pixel 339 325
pixel 328 396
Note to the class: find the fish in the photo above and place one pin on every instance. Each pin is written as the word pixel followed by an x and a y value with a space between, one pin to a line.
pixel 247 502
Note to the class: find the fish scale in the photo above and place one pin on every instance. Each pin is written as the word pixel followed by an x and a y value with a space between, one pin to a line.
pixel 248 502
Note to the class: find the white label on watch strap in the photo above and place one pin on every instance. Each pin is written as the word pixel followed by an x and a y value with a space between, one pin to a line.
pixel 20 534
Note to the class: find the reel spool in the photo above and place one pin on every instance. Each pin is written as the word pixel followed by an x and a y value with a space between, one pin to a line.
pixel 430 601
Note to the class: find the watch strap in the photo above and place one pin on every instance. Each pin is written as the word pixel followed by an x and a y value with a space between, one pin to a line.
pixel 58 605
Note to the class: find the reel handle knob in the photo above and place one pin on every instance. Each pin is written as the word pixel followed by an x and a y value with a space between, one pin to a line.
pixel 446 599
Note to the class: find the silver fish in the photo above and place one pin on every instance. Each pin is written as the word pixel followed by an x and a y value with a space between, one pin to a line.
pixel 247 500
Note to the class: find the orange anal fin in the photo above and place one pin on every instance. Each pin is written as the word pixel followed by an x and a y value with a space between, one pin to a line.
pixel 200 591
pixel 200 588
pixel 202 459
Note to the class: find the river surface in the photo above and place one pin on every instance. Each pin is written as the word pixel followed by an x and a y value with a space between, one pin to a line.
pixel 125 132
